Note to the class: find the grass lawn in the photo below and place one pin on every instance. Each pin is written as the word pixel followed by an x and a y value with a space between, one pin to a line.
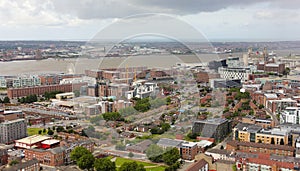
pixel 149 166
pixel 35 131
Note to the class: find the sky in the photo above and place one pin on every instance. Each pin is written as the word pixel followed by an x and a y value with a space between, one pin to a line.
pixel 217 20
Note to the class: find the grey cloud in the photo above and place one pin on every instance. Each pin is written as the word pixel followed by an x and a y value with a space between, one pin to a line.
pixel 90 9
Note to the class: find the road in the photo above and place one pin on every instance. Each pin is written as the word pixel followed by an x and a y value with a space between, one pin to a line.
pixel 273 116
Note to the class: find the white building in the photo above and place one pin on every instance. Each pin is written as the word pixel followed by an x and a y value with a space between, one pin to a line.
pixel 235 73
pixel 142 89
pixel 26 81
pixel 290 115
pixel 3 83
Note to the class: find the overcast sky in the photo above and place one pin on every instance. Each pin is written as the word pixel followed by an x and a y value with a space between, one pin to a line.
pixel 222 20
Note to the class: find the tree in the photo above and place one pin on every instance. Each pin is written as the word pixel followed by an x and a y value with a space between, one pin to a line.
pixel 86 161
pixel 154 153
pixel 112 116
pixel 6 100
pixel 171 156
pixel 78 152
pixel 104 164
pixel 44 130
pixel 165 126
pixel 131 166
pixel 261 106
pixel 130 155
pixel 14 162
pixel 40 131
pixel 50 132
pixel 60 129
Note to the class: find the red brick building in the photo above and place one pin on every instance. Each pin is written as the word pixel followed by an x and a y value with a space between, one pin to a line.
pixel 188 150
pixel 40 90
pixel 251 147
pixel 51 157
pixel 3 157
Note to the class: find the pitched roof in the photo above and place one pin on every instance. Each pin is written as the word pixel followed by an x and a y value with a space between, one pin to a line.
pixel 197 166
pixel 261 145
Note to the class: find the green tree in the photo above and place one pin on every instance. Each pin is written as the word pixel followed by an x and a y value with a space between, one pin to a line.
pixel 40 131
pixel 50 132
pixel 112 116
pixel 6 100
pixel 44 130
pixel 261 106
pixel 130 154
pixel 104 164
pixel 79 152
pixel 142 105
pixel 86 161
pixel 131 166
pixel 154 153
pixel 14 162
pixel 165 126
pixel 60 129
pixel 171 156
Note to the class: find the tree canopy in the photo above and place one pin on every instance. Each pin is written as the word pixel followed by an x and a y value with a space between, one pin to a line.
pixel 131 166
pixel 79 152
pixel 104 164
pixel 154 153
pixel 86 161
pixel 171 156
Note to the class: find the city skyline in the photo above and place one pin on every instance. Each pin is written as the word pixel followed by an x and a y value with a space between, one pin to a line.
pixel 229 20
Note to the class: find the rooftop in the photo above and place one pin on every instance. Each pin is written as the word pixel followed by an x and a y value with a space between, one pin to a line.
pixel 50 142
pixel 32 139
pixel 271 96
pixel 169 142
pixel 215 121
pixel 260 145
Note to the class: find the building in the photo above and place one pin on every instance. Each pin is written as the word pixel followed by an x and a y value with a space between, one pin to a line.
pixel 142 89
pixel 34 141
pixel 264 123
pixel 40 90
pixel 166 142
pixel 284 134
pixel 277 68
pixel 290 115
pixel 50 143
pixel 225 83
pixel 26 81
pixel 3 83
pixel 12 130
pixel 276 106
pixel 235 73
pixel 31 165
pixel 200 165
pixel 251 147
pixel 3 157
pixel 50 157
pixel 9 115
pixel 264 165
pixel 139 147
pixel 188 150
pixel 217 128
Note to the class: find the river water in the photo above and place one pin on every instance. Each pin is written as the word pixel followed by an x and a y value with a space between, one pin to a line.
pixel 80 64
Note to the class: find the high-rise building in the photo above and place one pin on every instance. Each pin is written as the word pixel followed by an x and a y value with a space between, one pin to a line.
pixel 12 130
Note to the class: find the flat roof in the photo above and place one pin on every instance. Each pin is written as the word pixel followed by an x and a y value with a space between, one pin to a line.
pixel 189 144
pixel 50 142
pixel 33 139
